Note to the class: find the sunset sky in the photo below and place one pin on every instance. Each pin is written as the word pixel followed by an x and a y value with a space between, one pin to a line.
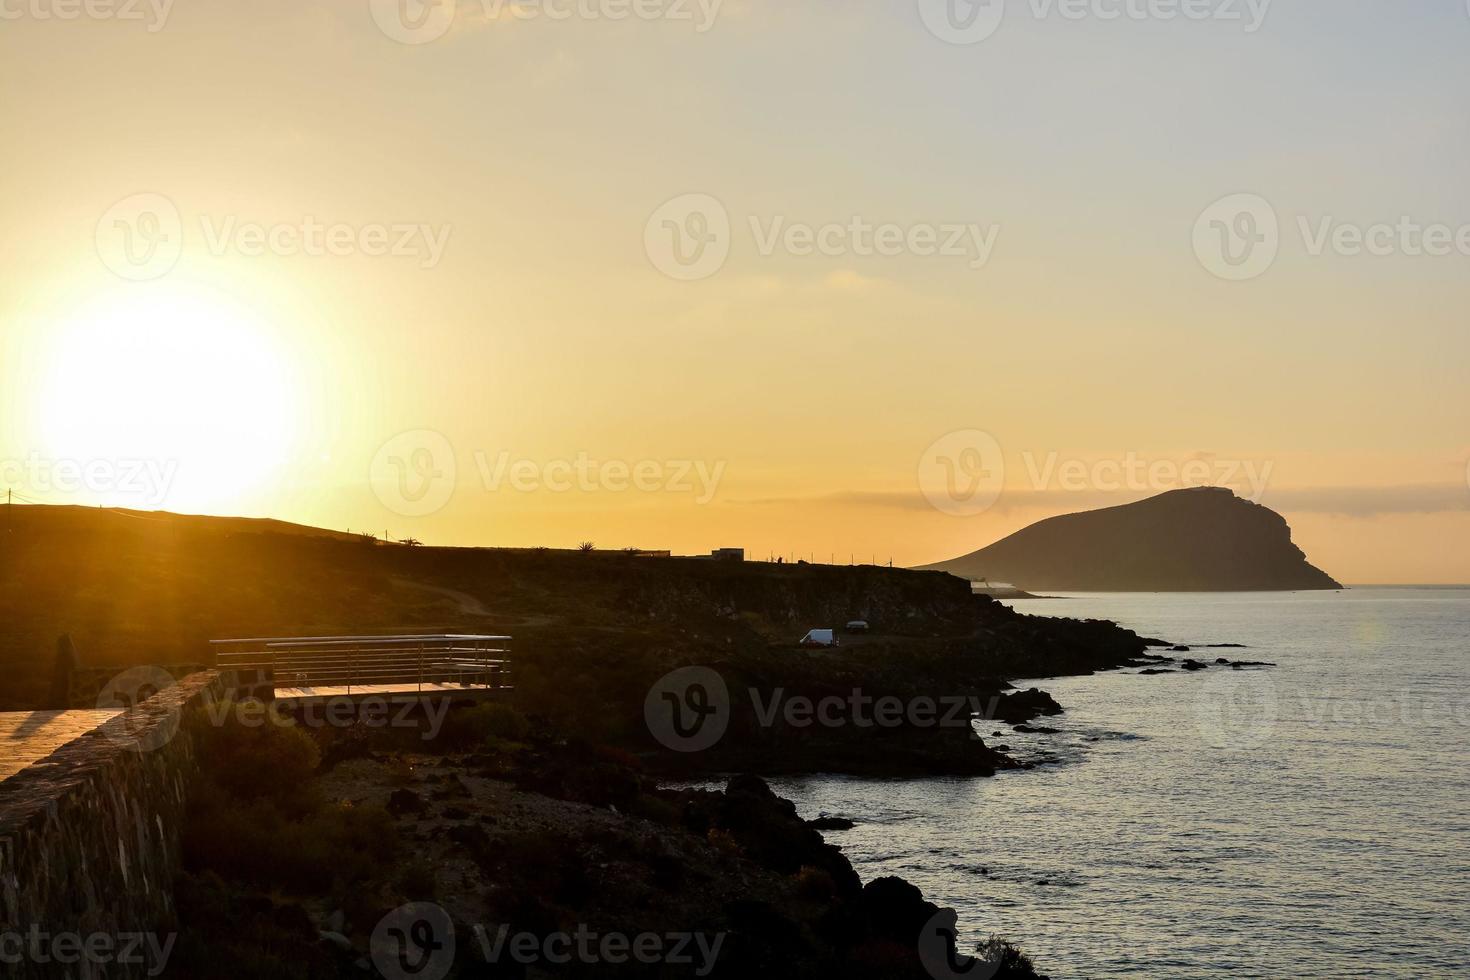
pixel 286 262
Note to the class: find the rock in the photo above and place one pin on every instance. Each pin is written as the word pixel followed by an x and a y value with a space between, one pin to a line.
pixel 894 909
pixel 830 823
pixel 454 788
pixel 1021 706
pixel 403 802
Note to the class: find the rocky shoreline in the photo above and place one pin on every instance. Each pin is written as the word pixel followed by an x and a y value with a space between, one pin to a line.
pixel 497 829
pixel 949 689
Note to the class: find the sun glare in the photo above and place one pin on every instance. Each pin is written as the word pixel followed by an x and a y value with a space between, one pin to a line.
pixel 183 390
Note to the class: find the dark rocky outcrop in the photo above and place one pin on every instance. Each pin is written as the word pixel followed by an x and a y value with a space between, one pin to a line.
pixel 1199 540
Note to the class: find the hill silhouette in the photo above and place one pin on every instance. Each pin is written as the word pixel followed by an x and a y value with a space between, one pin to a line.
pixel 151 587
pixel 1198 540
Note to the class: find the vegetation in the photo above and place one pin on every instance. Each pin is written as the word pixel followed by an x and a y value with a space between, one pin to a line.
pixel 503 822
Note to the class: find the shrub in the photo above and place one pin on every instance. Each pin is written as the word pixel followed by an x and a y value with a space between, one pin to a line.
pixel 1009 961
pixel 257 753
pixel 484 723
pixel 258 845
pixel 229 936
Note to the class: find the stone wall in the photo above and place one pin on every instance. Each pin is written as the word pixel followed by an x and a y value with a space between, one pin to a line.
pixel 89 837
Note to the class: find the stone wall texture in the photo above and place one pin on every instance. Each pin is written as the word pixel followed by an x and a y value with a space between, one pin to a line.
pixel 89 836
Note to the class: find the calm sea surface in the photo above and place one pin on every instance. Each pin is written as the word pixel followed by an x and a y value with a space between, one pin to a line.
pixel 1312 820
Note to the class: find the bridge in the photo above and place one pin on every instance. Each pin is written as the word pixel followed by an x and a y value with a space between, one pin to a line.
pixel 310 668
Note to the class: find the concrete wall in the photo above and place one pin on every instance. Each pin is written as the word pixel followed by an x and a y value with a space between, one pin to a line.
pixel 89 838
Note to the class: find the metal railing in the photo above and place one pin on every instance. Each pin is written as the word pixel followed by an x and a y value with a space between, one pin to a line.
pixel 399 662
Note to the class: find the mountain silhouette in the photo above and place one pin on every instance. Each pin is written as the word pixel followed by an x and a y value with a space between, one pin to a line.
pixel 1198 540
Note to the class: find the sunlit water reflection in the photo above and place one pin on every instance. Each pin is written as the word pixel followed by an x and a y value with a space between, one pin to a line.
pixel 1310 820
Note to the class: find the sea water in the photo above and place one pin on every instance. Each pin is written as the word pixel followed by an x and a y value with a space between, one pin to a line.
pixel 1308 820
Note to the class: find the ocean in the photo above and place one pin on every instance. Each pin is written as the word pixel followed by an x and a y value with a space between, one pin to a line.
pixel 1309 820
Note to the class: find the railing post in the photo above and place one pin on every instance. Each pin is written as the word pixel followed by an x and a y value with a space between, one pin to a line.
pixel 421 668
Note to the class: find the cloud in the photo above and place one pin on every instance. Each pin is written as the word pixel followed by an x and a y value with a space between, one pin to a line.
pixel 1331 501
pixel 1370 501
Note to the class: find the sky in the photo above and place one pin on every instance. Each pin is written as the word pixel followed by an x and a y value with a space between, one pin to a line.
pixel 857 281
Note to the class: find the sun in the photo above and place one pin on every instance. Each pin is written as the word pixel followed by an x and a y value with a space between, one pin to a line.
pixel 180 396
